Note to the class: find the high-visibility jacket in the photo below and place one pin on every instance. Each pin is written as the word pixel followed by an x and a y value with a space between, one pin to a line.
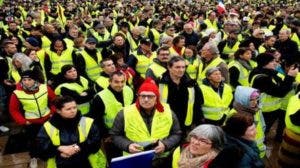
pixel 92 67
pixel 84 107
pixel 15 75
pixel 102 81
pixel 228 50
pixel 293 107
pixel 269 103
pixel 176 157
pixel 59 61
pixel 46 42
pixel 156 36
pixel 216 106
pixel 294 37
pixel 260 129
pixel 211 24
pixel 244 73
pixel 100 38
pixel 202 71
pixel 41 55
pixel 192 68
pixel 133 44
pixel 35 105
pixel 136 129
pixel 157 69
pixel 262 49
pixel 164 92
pixel 112 105
pixel 143 62
pixel 97 160
pixel 174 53
pixel 69 42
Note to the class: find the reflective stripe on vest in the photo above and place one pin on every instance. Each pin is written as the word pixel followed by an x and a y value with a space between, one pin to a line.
pixel 202 72
pixel 112 105
pixel 244 73
pixel 268 103
pixel 164 92
pixel 97 160
pixel 92 67
pixel 292 108
pixel 35 105
pixel 136 129
pixel 83 107
pixel 59 61
pixel 143 62
pixel 157 69
pixel 214 106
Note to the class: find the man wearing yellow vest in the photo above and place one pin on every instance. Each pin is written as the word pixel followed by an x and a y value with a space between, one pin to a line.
pixel 148 122
pixel 273 88
pixel 182 93
pixel 108 67
pixel 159 65
pixel 210 58
pixel 30 106
pixel 229 46
pixel 106 105
pixel 216 96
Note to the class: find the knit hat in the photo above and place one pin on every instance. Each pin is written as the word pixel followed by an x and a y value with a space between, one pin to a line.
pixel 211 70
pixel 150 86
pixel 263 59
pixel 29 74
pixel 33 41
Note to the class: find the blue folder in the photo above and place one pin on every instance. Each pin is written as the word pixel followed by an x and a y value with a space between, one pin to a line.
pixel 138 160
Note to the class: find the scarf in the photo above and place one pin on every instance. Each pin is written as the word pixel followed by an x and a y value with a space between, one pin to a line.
pixel 188 160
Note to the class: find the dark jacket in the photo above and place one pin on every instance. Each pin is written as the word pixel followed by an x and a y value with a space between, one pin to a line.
pixel 288 49
pixel 68 133
pixel 190 39
pixel 178 98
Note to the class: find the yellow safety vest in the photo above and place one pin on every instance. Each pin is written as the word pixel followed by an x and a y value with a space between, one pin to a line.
pixel 102 82
pixel 136 129
pixel 99 37
pixel 192 68
pixel 212 64
pixel 59 61
pixel 143 62
pixel 133 44
pixel 97 160
pixel 69 42
pixel 41 55
pixel 228 50
pixel 214 106
pixel 244 73
pixel 260 128
pixel 112 105
pixel 156 36
pixel 174 53
pixel 92 67
pixel 164 92
pixel 211 24
pixel 46 42
pixel 84 107
pixel 292 108
pixel 295 38
pixel 15 75
pixel 35 105
pixel 269 103
pixel 176 157
pixel 157 69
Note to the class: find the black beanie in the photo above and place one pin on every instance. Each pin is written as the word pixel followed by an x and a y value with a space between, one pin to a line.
pixel 263 59
pixel 29 74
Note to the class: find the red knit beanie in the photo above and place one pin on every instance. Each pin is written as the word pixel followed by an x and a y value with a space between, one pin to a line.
pixel 150 86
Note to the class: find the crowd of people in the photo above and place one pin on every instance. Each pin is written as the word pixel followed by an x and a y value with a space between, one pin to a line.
pixel 200 82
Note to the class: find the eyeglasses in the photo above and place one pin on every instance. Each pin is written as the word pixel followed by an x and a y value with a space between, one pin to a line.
pixel 147 96
pixel 203 140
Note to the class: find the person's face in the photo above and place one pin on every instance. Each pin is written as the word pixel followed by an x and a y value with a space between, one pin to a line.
pixel 28 82
pixel 171 31
pixel 200 146
pixel 181 43
pixel 177 69
pixel 10 49
pixel 69 110
pixel 90 46
pixel 147 100
pixel 215 77
pixel 163 56
pixel 17 63
pixel 271 41
pixel 71 74
pixel 188 29
pixel 206 53
pixel 247 55
pixel 73 32
pixel 32 55
pixel 283 35
pixel 13 26
pixel 119 41
pixel 117 83
pixel 188 53
pixel 250 133
pixel 271 65
pixel 109 67
pixel 58 46
pixel 254 102
pixel 146 47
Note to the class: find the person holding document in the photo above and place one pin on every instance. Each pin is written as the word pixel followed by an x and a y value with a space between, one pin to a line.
pixel 147 124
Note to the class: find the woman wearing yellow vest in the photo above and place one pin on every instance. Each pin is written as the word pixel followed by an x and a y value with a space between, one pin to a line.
pixel 77 87
pixel 205 142
pixel 148 122
pixel 240 67
pixel 69 140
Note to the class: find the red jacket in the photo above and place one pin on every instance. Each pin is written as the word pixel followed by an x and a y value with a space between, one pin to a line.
pixel 17 112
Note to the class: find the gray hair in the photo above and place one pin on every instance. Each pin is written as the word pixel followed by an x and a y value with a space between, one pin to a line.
pixel 214 133
pixel 23 59
pixel 213 48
